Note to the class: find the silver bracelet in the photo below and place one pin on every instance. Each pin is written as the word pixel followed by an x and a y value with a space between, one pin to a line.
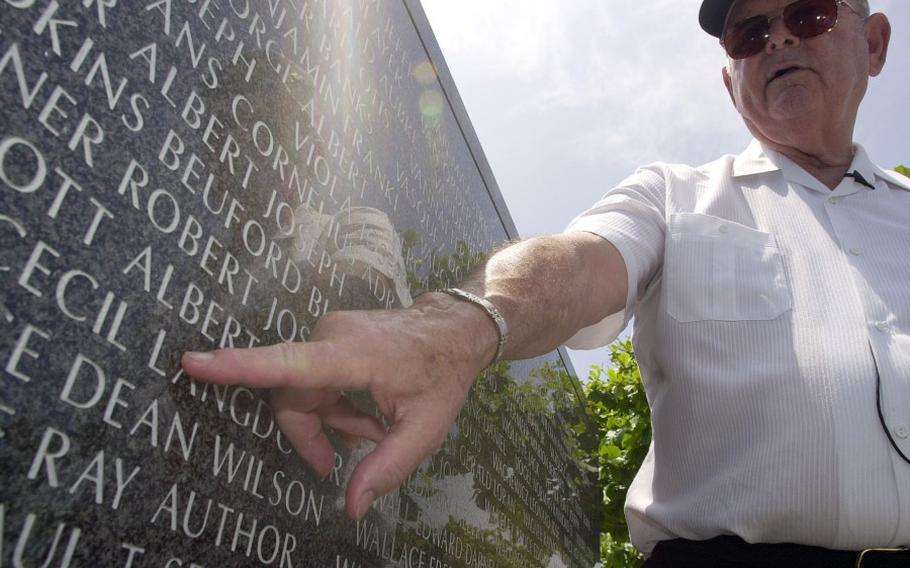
pixel 490 309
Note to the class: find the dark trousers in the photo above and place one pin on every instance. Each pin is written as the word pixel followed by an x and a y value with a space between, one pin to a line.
pixel 733 552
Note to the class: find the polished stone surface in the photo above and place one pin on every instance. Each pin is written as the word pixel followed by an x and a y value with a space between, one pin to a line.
pixel 180 175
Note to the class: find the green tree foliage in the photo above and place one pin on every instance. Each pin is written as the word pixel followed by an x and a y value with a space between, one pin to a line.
pixel 616 398
pixel 432 270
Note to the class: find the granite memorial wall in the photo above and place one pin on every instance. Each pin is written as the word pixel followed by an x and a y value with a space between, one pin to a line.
pixel 191 174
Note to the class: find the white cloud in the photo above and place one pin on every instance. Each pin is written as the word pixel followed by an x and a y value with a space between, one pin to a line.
pixel 642 74
pixel 588 90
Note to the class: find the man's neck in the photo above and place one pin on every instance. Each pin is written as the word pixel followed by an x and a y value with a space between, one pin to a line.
pixel 826 164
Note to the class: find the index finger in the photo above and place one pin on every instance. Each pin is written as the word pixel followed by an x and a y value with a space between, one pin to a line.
pixel 313 365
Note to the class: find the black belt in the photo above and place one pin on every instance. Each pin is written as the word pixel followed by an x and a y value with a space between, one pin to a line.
pixel 733 552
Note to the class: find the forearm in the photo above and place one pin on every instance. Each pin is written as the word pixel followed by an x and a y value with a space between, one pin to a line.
pixel 546 288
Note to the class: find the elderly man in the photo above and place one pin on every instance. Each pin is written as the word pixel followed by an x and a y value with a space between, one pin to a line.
pixel 772 321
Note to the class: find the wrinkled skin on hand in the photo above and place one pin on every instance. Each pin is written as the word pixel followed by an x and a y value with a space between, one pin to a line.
pixel 418 364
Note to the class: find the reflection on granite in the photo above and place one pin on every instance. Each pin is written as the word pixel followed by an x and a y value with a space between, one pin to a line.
pixel 189 175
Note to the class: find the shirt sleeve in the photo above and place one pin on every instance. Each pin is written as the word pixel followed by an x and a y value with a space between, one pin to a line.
pixel 632 218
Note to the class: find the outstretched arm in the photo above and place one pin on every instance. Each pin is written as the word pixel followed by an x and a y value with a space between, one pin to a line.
pixel 419 363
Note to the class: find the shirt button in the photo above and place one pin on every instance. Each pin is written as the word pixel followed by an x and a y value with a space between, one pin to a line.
pixel 723 229
pixel 881 326
pixel 834 200
pixel 855 251
pixel 902 432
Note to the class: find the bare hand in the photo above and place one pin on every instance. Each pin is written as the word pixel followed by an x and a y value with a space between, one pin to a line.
pixel 418 364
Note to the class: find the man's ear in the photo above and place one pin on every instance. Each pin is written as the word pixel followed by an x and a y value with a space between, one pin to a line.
pixel 728 83
pixel 878 36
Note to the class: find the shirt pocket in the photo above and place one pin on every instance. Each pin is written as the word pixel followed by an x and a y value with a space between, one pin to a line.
pixel 720 270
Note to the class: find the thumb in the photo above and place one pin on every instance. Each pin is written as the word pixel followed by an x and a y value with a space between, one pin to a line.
pixel 407 444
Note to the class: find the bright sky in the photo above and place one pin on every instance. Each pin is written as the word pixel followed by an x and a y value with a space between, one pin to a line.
pixel 569 97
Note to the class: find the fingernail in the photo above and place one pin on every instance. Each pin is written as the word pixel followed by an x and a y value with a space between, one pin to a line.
pixel 365 501
pixel 200 356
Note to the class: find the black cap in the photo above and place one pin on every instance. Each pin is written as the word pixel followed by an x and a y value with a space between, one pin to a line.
pixel 713 14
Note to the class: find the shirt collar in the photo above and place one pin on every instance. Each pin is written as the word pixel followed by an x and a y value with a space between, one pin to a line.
pixel 755 160
pixel 870 171
pixel 759 159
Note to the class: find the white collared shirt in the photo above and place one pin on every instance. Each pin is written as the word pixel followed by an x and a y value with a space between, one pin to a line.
pixel 765 306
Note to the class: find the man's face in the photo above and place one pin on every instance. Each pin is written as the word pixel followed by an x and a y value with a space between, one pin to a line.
pixel 800 83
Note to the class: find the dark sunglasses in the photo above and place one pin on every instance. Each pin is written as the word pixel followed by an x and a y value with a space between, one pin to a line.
pixel 804 18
